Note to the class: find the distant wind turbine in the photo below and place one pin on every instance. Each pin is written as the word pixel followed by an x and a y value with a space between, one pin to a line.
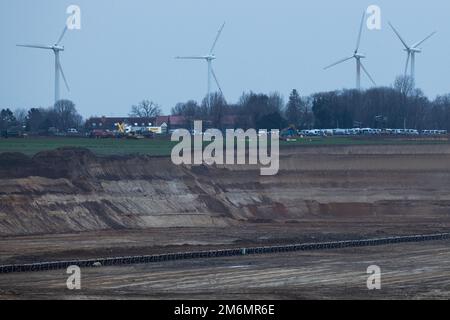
pixel 357 56
pixel 57 48
pixel 411 51
pixel 209 59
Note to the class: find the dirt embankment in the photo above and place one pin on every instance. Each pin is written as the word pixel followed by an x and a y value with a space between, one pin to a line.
pixel 72 190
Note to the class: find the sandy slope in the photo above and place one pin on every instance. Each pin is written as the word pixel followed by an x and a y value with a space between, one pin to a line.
pixel 73 191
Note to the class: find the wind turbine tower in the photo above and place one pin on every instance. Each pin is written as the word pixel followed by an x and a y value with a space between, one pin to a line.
pixel 56 48
pixel 357 56
pixel 209 58
pixel 411 51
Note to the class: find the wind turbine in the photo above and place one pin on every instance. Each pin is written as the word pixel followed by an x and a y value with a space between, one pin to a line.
pixel 357 56
pixel 209 58
pixel 411 51
pixel 56 48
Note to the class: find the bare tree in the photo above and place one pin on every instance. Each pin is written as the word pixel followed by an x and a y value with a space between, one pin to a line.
pixel 253 107
pixel 21 115
pixel 405 85
pixel 191 111
pixel 216 109
pixel 64 115
pixel 145 109
pixel 275 103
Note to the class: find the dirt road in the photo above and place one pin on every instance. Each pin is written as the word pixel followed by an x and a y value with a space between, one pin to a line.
pixel 409 271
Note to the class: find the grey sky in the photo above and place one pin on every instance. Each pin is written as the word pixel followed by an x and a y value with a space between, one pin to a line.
pixel 125 50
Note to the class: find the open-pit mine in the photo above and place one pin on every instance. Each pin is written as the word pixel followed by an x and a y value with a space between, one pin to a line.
pixel 69 204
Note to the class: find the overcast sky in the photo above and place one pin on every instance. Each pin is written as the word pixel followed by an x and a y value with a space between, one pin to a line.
pixel 125 50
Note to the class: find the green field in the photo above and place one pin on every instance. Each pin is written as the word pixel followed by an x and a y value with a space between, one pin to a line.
pixel 163 147
pixel 31 146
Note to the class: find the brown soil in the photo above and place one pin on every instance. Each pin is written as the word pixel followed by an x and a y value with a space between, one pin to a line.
pixel 408 271
pixel 71 190
pixel 71 204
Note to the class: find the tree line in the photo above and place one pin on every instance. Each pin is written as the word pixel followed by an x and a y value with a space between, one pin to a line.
pixel 398 106
pixel 59 118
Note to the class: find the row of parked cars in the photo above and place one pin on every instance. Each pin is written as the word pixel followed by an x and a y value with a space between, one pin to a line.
pixel 370 131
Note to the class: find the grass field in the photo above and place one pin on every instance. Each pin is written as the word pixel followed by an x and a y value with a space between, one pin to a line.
pixel 31 146
pixel 163 147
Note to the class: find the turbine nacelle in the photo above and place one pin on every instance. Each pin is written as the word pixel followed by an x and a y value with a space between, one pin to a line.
pixel 415 50
pixel 359 56
pixel 57 48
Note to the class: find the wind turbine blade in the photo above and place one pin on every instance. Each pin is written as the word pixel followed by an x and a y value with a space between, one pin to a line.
pixel 407 63
pixel 399 36
pixel 62 35
pixel 35 46
pixel 339 62
pixel 420 42
pixel 368 74
pixel 217 38
pixel 217 82
pixel 63 76
pixel 193 57
pixel 358 42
